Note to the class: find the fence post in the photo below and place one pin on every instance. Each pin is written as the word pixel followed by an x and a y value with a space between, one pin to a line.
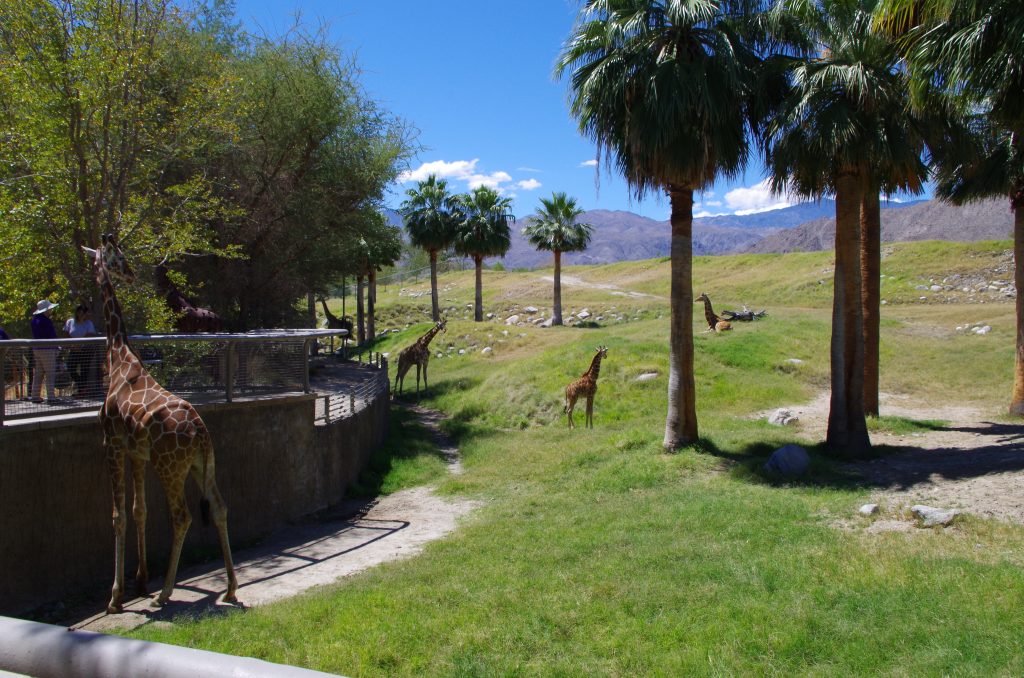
pixel 229 372
pixel 3 383
pixel 305 372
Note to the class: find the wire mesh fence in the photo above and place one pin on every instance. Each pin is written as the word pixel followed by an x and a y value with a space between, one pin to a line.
pixel 349 387
pixel 42 377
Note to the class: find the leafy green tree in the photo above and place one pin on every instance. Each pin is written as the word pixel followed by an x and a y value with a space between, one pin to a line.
pixel 972 51
pixel 431 217
pixel 555 229
pixel 483 231
pixel 668 90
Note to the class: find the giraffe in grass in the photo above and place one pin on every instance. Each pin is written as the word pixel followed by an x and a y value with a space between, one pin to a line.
pixel 419 355
pixel 585 386
pixel 142 421
pixel 715 323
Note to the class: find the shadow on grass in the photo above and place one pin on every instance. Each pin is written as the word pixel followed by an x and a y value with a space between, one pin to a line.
pixel 1001 450
pixel 407 438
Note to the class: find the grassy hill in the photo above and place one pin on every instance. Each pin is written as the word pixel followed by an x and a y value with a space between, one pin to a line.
pixel 598 553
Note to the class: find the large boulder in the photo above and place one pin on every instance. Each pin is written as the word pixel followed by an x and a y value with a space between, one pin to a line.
pixel 789 461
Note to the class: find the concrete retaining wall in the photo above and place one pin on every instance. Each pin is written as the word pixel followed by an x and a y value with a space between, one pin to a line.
pixel 272 466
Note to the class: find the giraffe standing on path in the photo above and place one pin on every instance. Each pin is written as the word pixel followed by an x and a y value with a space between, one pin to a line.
pixel 143 421
pixel 715 323
pixel 585 386
pixel 419 355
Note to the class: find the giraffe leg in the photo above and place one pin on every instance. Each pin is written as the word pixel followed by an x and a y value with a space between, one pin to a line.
pixel 139 513
pixel 219 515
pixel 590 411
pixel 426 361
pixel 115 463
pixel 417 380
pixel 570 403
pixel 180 521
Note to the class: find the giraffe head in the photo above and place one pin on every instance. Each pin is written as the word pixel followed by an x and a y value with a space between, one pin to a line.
pixel 703 297
pixel 111 258
pixel 602 351
pixel 442 324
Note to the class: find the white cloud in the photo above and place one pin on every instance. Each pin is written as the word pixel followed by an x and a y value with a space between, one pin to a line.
pixel 588 163
pixel 529 184
pixel 754 199
pixel 529 169
pixel 460 169
pixel 493 180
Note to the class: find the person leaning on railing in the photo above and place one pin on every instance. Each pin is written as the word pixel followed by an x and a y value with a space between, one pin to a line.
pixel 46 357
pixel 83 361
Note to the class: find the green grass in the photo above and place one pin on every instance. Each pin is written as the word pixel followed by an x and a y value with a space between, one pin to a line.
pixel 596 553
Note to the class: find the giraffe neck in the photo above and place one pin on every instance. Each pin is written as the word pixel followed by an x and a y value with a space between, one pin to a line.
pixel 709 313
pixel 429 336
pixel 116 333
pixel 595 368
pixel 327 314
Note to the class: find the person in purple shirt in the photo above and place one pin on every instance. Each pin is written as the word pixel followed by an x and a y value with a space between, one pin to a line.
pixel 45 358
pixel 3 335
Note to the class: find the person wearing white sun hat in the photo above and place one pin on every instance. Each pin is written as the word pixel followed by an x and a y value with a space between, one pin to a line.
pixel 45 358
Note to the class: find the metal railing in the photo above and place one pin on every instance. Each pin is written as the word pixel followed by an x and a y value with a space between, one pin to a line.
pixel 358 388
pixel 68 374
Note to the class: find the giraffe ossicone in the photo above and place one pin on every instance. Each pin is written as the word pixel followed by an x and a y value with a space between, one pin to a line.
pixel 142 421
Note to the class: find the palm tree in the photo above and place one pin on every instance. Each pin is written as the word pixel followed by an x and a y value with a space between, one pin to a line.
pixel 483 231
pixel 666 90
pixel 845 128
pixel 554 229
pixel 430 215
pixel 973 52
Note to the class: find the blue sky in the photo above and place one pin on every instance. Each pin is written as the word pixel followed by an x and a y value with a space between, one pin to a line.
pixel 475 78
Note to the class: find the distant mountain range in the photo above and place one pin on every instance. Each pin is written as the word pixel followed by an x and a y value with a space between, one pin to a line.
pixel 621 235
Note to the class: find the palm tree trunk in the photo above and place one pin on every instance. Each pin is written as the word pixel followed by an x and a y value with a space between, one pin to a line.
pixel 435 310
pixel 847 429
pixel 870 272
pixel 360 316
pixel 371 301
pixel 478 313
pixel 681 421
pixel 556 314
pixel 1017 204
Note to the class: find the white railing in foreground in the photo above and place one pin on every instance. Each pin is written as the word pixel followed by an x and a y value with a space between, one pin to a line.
pixel 46 651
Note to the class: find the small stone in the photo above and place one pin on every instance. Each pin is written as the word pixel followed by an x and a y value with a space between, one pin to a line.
pixel 462 351
pixel 530 309
pixel 583 315
pixel 440 355
pixel 868 509
pixel 490 316
pixel 646 376
pixel 794 361
pixel 921 288
pixel 487 349
pixel 547 323
pixel 935 288
pixel 983 330
pixel 931 516
pixel 883 302
pixel 512 320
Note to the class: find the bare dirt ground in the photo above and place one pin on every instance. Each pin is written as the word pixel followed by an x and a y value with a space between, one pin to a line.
pixel 342 541
pixel 969 463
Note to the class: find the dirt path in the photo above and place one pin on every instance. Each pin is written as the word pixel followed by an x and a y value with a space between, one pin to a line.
pixel 348 539
pixel 573 281
pixel 970 463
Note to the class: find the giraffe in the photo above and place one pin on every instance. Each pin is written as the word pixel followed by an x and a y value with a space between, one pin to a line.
pixel 142 421
pixel 419 355
pixel 190 318
pixel 715 323
pixel 585 386
pixel 334 322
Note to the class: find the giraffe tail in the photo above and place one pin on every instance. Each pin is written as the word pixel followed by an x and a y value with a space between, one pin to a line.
pixel 204 502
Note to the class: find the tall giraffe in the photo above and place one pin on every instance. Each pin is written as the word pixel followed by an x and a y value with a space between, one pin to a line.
pixel 142 421
pixel 585 386
pixel 334 322
pixel 419 355
pixel 715 323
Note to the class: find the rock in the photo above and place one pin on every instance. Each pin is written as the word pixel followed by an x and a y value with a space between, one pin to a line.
pixel 583 315
pixel 440 355
pixel 548 322
pixel 487 349
pixel 868 509
pixel 789 461
pixel 512 320
pixel 599 318
pixel 490 316
pixel 982 330
pixel 646 376
pixel 504 333
pixel 794 361
pixel 462 351
pixel 395 331
pixel 931 516
pixel 782 417
pixel 530 309
pixel 935 288
pixel 921 288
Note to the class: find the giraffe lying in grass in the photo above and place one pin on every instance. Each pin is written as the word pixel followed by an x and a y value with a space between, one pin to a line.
pixel 585 386
pixel 715 323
